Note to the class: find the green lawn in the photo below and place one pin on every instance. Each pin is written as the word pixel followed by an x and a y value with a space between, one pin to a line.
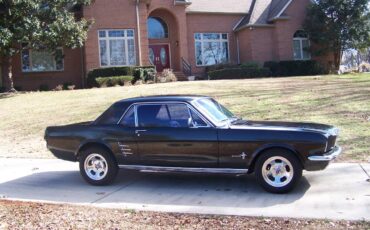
pixel 343 101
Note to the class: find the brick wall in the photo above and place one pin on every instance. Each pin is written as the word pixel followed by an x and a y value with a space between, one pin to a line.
pixel 275 42
pixel 72 73
pixel 107 14
pixel 256 44
pixel 285 29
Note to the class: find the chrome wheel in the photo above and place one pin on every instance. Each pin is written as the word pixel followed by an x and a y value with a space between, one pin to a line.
pixel 96 166
pixel 277 171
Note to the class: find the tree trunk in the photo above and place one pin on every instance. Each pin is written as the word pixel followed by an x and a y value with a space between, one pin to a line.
pixel 11 88
pixel 337 59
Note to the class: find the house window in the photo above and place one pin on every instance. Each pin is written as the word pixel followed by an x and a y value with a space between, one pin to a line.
pixel 301 45
pixel 42 60
pixel 117 48
pixel 211 48
pixel 157 28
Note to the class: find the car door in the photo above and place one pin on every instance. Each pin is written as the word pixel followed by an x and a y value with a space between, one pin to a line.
pixel 125 139
pixel 174 135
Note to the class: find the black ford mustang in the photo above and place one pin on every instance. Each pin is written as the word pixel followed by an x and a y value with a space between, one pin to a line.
pixel 192 134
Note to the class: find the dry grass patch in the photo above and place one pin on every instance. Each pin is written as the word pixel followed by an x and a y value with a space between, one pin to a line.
pixel 343 101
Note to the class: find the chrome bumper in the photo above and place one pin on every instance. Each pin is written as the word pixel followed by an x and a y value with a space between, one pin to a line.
pixel 331 155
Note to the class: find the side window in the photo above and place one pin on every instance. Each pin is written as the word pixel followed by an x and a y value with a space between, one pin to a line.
pixel 111 116
pixel 153 116
pixel 179 115
pixel 129 119
pixel 170 115
pixel 197 121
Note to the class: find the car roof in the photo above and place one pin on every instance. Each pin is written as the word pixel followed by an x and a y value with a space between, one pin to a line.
pixel 161 98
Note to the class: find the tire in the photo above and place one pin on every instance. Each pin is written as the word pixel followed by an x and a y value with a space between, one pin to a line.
pixel 98 166
pixel 278 170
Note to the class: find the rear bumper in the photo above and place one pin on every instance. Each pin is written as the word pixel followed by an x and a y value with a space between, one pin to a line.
pixel 331 155
pixel 317 162
pixel 62 154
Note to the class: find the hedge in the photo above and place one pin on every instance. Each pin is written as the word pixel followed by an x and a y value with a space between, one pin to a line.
pixel 144 74
pixel 238 73
pixel 220 67
pixel 112 72
pixel 294 68
pixel 113 81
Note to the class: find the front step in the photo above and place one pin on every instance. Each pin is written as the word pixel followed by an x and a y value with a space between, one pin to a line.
pixel 180 76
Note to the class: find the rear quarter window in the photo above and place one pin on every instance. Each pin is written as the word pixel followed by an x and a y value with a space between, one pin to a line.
pixel 111 116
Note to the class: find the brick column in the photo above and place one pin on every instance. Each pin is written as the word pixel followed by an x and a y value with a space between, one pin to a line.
pixel 143 16
pixel 182 34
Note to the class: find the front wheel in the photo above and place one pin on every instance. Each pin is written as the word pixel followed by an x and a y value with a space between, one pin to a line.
pixel 97 166
pixel 278 171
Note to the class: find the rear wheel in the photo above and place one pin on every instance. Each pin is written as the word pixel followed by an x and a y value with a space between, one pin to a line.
pixel 278 170
pixel 97 166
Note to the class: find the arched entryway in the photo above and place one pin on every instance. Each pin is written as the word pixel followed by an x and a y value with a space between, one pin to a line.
pixel 163 40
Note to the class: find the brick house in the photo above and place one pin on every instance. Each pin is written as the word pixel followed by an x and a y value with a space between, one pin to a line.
pixel 176 34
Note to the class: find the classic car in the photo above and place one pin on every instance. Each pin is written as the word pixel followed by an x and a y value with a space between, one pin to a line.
pixel 196 134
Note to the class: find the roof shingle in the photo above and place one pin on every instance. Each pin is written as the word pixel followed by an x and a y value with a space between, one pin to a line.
pixel 220 6
pixel 262 12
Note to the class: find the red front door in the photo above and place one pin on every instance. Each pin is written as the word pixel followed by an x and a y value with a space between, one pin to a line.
pixel 159 56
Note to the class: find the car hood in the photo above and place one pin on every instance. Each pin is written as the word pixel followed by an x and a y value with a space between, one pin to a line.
pixel 284 125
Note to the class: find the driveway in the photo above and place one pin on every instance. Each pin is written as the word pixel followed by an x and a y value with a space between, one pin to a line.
pixel 342 191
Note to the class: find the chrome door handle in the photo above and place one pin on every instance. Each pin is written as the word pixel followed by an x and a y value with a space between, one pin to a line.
pixel 137 132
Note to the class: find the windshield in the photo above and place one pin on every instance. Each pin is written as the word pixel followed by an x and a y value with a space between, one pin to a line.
pixel 216 112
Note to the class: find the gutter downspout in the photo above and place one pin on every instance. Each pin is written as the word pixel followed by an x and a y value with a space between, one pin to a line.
pixel 138 30
pixel 237 46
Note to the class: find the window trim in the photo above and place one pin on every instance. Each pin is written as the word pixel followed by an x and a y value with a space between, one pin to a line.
pixel 190 107
pixel 210 40
pixel 301 39
pixel 41 71
pixel 107 39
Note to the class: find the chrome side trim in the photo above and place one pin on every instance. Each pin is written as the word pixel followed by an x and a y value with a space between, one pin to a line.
pixel 334 153
pixel 143 168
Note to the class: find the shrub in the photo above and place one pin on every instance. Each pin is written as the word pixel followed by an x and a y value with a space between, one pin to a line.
pixel 112 72
pixel 167 76
pixel 239 73
pixel 364 67
pixel 219 67
pixel 144 74
pixel 58 88
pixel 250 64
pixel 295 68
pixel 113 81
pixel 273 66
pixel 44 87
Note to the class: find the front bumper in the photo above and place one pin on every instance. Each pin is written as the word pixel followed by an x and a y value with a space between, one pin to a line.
pixel 320 162
pixel 331 155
